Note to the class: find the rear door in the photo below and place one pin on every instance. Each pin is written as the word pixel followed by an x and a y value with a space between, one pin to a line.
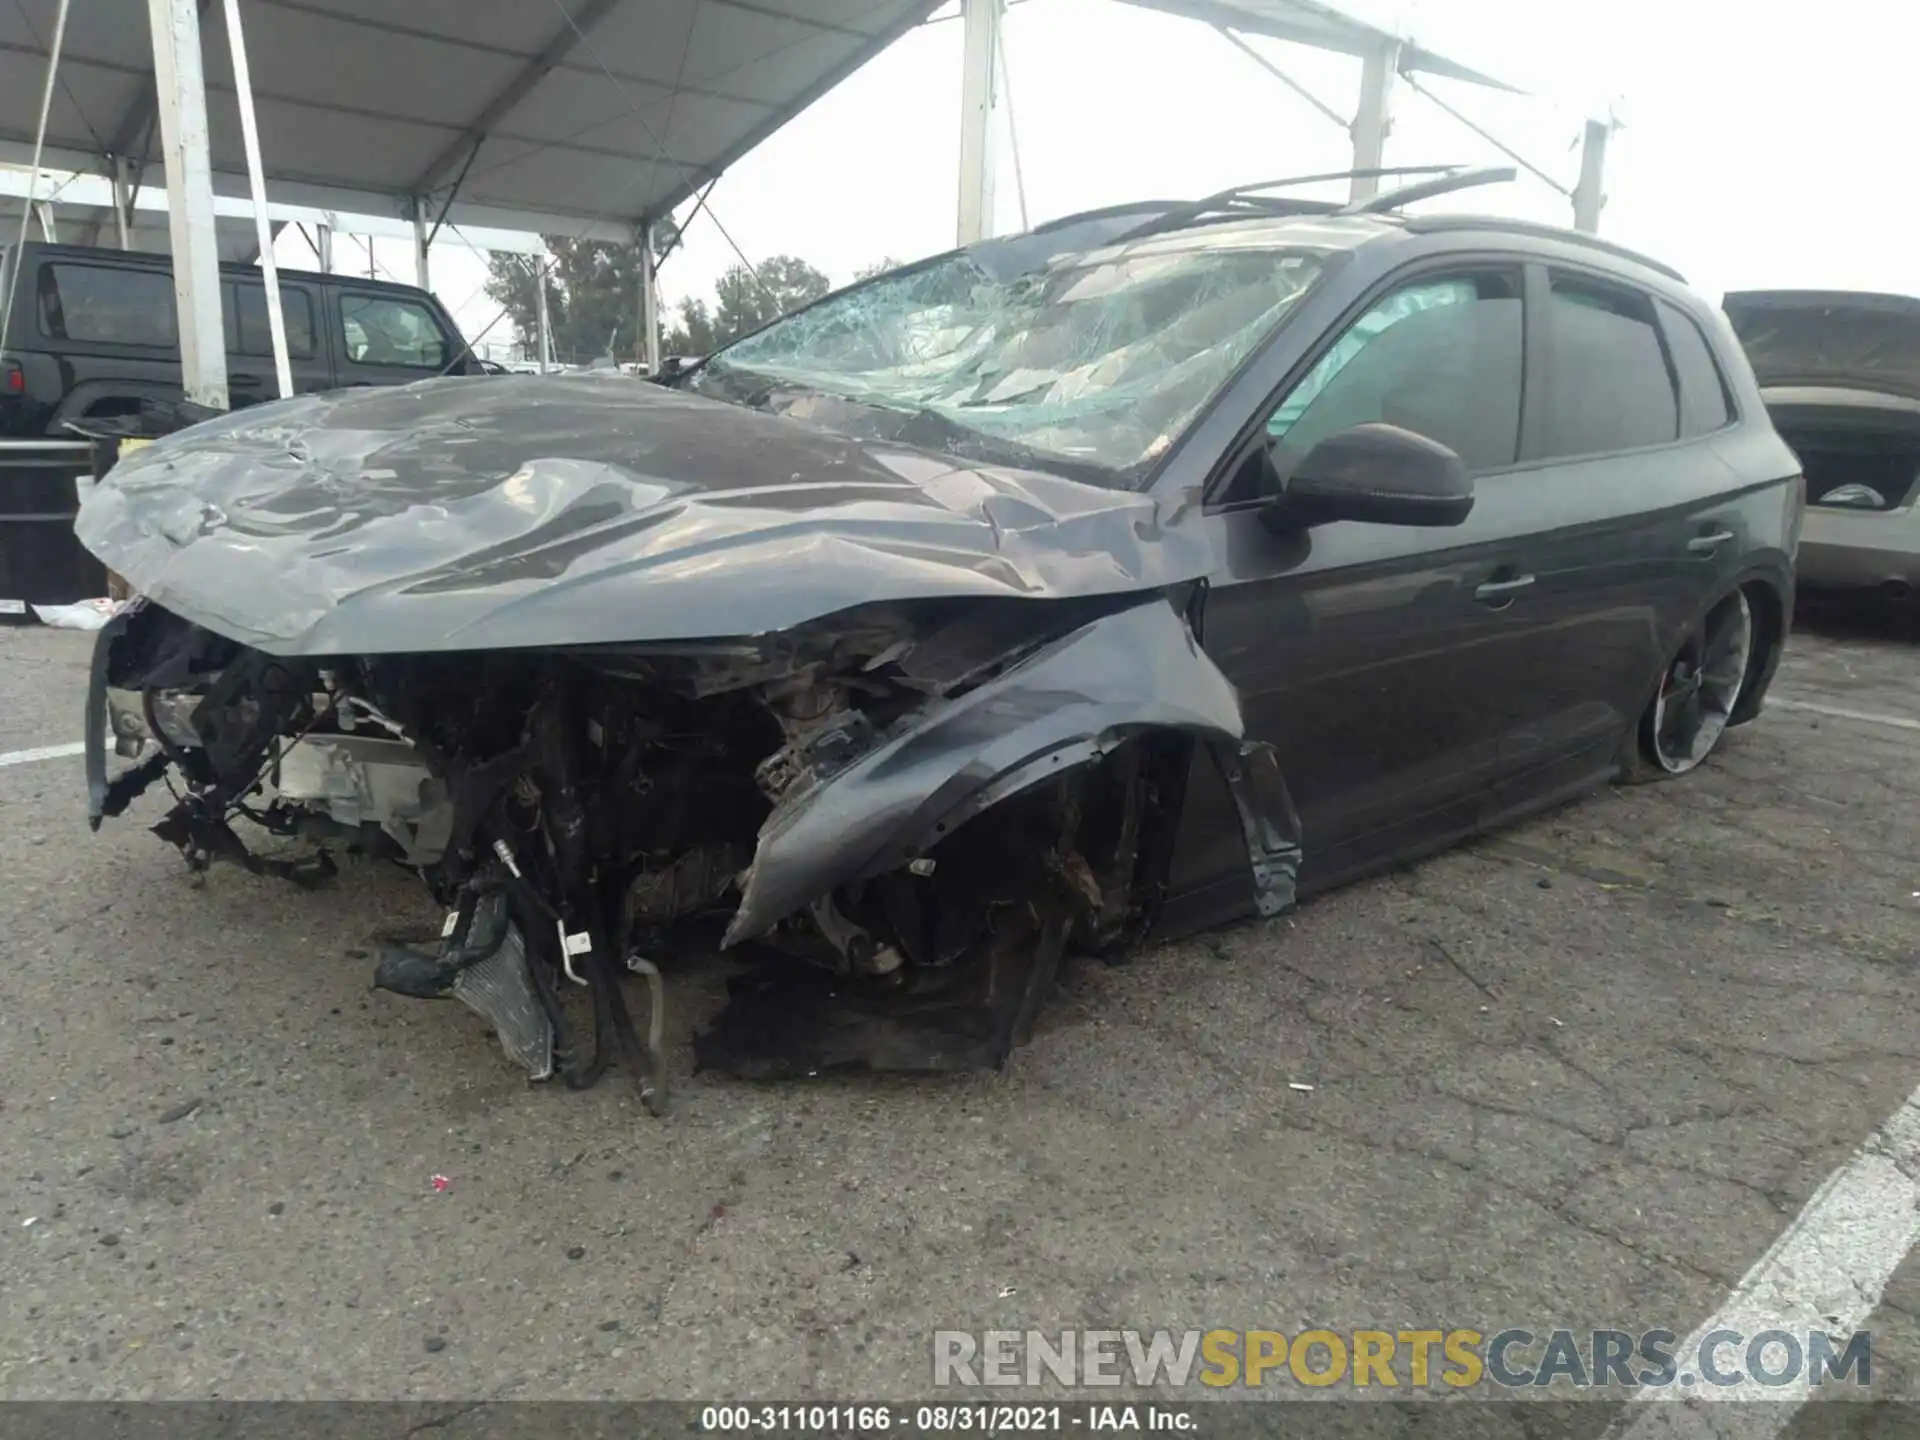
pixel 1631 513
pixel 250 369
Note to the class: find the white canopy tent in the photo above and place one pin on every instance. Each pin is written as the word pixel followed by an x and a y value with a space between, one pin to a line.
pixel 592 118
pixel 83 210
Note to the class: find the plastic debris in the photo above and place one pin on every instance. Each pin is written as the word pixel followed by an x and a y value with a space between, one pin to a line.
pixel 1006 1291
pixel 29 1222
pixel 81 615
pixel 1296 1085
pixel 441 1184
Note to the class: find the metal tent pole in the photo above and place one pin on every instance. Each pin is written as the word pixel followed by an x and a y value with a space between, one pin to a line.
pixel 257 182
pixel 122 202
pixel 1371 122
pixel 543 332
pixel 980 69
pixel 649 346
pixel 181 91
pixel 420 273
pixel 1589 194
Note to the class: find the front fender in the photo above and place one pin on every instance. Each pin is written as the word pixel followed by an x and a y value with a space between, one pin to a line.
pixel 1126 673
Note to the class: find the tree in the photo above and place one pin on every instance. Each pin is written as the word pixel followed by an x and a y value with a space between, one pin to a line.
pixel 744 304
pixel 593 296
pixel 784 283
pixel 878 267
pixel 694 335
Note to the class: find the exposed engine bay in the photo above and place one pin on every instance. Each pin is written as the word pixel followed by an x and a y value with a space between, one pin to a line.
pixel 904 816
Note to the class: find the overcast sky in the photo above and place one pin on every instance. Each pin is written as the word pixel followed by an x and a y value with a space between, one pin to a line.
pixel 1763 146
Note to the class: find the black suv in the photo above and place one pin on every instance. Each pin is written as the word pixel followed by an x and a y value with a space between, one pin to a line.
pixel 94 333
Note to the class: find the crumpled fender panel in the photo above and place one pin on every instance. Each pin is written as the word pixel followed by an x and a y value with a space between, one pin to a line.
pixel 1135 670
pixel 479 514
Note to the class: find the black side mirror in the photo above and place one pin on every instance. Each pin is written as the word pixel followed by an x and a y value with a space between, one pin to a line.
pixel 1379 473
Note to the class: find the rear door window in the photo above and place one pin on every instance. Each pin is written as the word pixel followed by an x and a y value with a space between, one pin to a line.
pixel 254 334
pixel 1608 385
pixel 391 330
pixel 1703 389
pixel 100 304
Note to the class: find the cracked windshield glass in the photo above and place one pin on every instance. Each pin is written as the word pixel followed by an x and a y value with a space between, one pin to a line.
pixel 1099 358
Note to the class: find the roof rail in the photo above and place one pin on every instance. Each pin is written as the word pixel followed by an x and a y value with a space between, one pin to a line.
pixel 1456 178
pixel 1428 224
pixel 1246 199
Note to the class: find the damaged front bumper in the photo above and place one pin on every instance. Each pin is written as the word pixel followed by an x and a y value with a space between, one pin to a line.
pixel 906 817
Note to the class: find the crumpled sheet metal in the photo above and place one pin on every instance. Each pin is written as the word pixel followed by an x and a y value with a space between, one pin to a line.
pixel 1128 672
pixel 485 513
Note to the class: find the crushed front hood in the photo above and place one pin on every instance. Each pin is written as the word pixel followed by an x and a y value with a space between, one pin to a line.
pixel 1830 338
pixel 580 510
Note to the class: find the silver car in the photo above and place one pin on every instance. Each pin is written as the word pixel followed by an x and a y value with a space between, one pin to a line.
pixel 1839 371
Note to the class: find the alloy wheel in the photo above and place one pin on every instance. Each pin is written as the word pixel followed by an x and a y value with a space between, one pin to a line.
pixel 1702 684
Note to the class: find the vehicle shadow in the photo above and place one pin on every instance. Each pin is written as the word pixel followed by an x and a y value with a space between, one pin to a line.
pixel 1857 617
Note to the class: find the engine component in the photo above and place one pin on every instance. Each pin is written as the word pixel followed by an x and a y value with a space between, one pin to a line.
pixel 911 840
pixel 360 780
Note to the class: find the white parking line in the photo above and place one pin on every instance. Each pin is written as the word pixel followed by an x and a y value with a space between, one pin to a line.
pixel 45 752
pixel 1865 717
pixel 1826 1272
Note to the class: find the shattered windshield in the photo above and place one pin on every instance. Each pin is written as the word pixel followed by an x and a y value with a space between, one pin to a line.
pixel 1100 358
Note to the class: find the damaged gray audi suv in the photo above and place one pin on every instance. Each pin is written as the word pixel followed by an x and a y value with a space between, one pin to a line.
pixel 1138 573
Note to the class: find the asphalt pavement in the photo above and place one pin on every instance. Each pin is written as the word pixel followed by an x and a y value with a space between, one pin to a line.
pixel 1584 1073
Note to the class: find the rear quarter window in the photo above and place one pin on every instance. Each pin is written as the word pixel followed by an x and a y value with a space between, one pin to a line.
pixel 101 304
pixel 1704 406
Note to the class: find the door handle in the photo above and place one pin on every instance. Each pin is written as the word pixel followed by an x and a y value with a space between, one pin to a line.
pixel 1707 544
pixel 1501 592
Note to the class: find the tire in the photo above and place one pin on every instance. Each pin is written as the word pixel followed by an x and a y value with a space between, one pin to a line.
pixel 1700 687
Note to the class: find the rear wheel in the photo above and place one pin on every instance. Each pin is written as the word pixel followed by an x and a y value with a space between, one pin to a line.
pixel 1698 690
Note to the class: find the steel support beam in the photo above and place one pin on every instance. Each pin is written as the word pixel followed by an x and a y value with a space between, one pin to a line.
pixel 542 326
pixel 323 247
pixel 273 229
pixel 1285 79
pixel 457 151
pixel 978 92
pixel 181 90
pixel 649 347
pixel 1589 194
pixel 1374 118
pixel 123 201
pixel 420 273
